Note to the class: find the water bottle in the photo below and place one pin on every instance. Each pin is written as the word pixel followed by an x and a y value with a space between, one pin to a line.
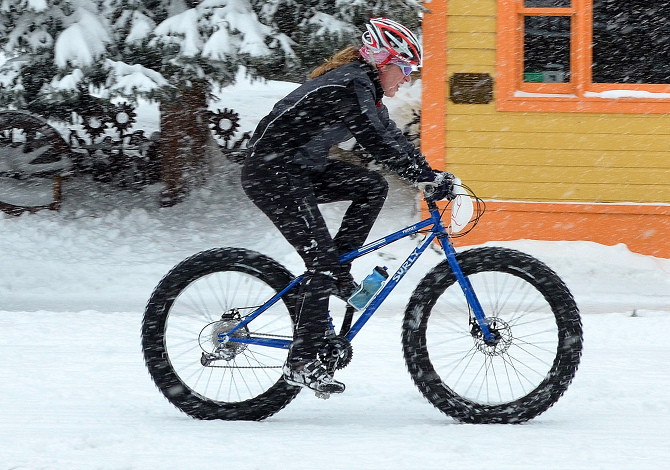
pixel 368 288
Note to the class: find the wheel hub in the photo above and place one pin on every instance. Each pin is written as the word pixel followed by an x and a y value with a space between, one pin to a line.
pixel 501 341
pixel 213 334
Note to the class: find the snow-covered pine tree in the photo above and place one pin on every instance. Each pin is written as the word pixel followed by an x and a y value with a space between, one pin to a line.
pixel 44 66
pixel 195 45
pixel 319 28
pixel 67 54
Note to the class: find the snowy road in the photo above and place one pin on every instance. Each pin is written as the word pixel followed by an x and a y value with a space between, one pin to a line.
pixel 76 395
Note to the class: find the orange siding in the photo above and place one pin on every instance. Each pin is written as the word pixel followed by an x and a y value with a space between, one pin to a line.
pixel 433 76
pixel 644 228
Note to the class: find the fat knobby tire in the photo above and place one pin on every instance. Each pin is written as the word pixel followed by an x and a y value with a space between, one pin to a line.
pixel 568 323
pixel 153 329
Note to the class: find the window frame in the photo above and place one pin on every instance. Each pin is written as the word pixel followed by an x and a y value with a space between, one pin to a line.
pixel 580 94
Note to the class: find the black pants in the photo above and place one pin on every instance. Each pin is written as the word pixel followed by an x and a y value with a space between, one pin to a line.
pixel 289 195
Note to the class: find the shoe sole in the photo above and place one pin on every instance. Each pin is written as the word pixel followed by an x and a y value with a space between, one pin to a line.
pixel 304 385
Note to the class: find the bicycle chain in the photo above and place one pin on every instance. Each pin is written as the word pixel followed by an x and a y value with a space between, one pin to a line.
pixel 267 335
pixel 245 367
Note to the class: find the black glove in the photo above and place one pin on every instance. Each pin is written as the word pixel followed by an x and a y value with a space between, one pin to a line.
pixel 436 185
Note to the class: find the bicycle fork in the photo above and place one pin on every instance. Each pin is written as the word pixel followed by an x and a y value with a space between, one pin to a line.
pixel 463 281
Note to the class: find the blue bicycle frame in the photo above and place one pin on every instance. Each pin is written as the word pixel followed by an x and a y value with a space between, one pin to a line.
pixel 436 230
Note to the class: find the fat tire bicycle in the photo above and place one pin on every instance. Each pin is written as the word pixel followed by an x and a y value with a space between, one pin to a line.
pixel 490 334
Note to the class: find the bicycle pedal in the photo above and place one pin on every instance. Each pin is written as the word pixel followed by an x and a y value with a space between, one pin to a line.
pixel 322 395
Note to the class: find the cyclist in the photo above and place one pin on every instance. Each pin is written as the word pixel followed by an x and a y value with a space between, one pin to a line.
pixel 287 172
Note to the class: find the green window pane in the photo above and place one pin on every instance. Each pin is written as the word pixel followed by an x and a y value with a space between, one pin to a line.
pixel 546 49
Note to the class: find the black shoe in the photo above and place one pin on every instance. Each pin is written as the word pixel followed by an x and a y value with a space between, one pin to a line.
pixel 312 375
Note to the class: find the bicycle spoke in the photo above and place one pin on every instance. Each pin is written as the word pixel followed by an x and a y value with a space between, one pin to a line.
pixel 198 317
pixel 506 370
pixel 199 345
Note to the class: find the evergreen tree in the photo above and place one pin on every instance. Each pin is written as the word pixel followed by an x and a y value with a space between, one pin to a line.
pixel 67 56
pixel 130 48
pixel 319 28
pixel 73 55
pixel 35 36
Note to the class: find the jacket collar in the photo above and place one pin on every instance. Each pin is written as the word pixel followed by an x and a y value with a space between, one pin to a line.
pixel 373 73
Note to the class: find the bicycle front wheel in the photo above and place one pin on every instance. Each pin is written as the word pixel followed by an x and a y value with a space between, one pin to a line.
pixel 537 338
pixel 201 298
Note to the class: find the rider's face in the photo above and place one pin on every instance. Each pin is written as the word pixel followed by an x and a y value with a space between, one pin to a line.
pixel 391 77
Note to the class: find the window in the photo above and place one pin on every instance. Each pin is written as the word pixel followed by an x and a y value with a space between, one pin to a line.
pixel 631 41
pixel 546 49
pixel 584 55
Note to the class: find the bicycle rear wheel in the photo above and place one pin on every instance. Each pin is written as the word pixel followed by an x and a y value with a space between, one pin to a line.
pixel 197 300
pixel 533 317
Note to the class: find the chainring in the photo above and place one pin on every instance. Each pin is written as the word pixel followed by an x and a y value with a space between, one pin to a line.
pixel 336 352
pixel 95 123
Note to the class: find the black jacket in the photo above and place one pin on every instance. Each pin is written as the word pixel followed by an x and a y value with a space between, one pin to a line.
pixel 328 110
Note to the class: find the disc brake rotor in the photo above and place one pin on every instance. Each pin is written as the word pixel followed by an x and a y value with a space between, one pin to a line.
pixel 502 337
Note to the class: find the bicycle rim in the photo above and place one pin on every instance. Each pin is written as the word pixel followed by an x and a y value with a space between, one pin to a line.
pixel 522 357
pixel 209 306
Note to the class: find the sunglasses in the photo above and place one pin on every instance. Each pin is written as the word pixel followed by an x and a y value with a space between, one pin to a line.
pixel 406 69
pixel 404 66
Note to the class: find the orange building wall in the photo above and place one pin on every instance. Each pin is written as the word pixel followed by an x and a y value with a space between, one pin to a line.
pixel 644 228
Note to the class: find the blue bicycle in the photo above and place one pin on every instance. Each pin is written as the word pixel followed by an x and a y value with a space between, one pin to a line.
pixel 490 335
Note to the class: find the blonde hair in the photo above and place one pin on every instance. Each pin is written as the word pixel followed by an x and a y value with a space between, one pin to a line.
pixel 343 57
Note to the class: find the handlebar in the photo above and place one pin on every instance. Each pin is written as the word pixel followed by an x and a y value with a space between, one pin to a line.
pixel 466 207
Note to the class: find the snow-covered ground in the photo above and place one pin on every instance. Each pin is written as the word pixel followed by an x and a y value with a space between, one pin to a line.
pixel 74 392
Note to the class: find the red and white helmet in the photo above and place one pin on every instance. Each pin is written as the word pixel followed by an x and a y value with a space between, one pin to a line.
pixel 388 35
